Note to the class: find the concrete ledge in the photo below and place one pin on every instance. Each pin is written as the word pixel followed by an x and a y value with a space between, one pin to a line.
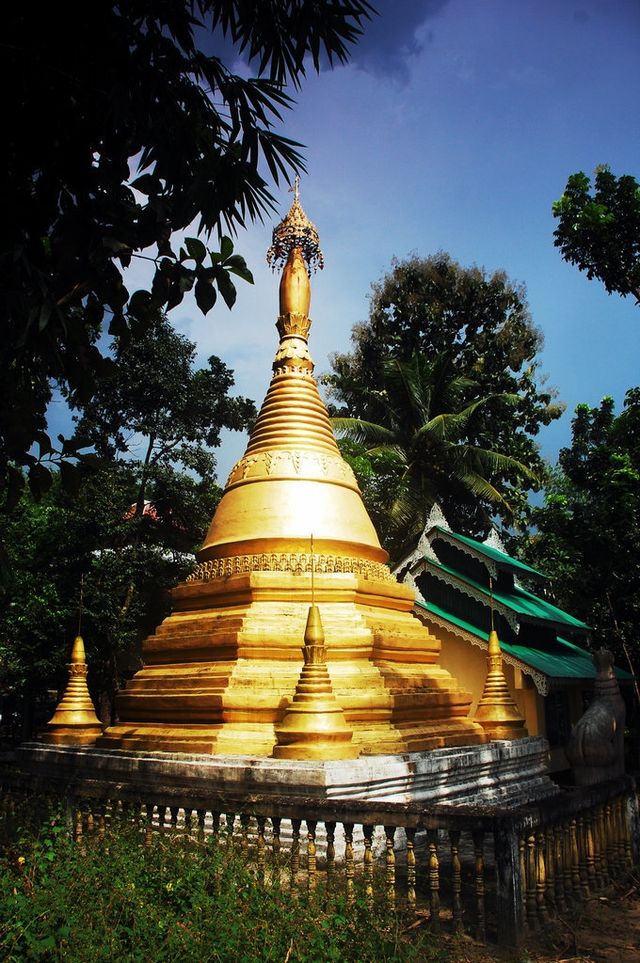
pixel 505 774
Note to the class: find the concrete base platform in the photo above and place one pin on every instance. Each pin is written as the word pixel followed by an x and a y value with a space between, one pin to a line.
pixel 507 774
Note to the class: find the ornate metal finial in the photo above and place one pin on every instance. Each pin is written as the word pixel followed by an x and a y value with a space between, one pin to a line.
pixel 295 231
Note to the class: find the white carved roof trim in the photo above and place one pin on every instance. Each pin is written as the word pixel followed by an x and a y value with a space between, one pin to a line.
pixel 490 566
pixel 411 582
pixel 423 548
pixel 493 540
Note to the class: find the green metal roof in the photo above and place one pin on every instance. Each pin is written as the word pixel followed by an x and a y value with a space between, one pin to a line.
pixel 500 558
pixel 519 600
pixel 558 660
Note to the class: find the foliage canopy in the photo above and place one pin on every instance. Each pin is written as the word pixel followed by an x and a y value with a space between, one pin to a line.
pixel 589 527
pixel 120 130
pixel 599 229
pixel 129 530
pixel 468 339
pixel 419 442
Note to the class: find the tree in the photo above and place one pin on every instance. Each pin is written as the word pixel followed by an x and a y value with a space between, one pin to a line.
pixel 476 330
pixel 599 230
pixel 587 533
pixel 130 530
pixel 120 130
pixel 156 402
pixel 91 538
pixel 420 437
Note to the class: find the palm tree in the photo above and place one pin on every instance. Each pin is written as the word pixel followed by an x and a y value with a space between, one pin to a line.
pixel 424 427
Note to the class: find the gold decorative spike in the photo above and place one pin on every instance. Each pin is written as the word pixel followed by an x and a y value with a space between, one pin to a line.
pixel 550 863
pixel 74 723
pixel 314 724
pixel 261 857
pixel 497 712
pixel 456 881
pixel 148 825
pixel 295 232
pixel 390 867
pixel 541 877
pixel 411 870
pixel 294 852
pixel 312 863
pixel 330 828
pixel 367 863
pixel 561 890
pixel 275 837
pixel 532 905
pixel 591 859
pixel 581 830
pixel 349 869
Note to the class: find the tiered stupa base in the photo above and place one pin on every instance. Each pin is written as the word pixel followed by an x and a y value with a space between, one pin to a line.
pixel 221 670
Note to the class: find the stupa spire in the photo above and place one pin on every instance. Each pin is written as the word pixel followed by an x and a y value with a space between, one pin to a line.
pixel 292 476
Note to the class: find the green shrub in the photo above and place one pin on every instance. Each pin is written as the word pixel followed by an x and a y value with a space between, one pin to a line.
pixel 181 900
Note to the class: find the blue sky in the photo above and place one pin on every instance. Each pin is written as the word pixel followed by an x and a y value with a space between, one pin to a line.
pixel 454 128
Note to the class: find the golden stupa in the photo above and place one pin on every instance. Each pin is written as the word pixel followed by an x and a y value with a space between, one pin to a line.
pixel 497 711
pixel 74 723
pixel 221 671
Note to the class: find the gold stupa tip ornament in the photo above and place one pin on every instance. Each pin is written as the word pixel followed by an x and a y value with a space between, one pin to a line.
pixel 74 723
pixel 497 711
pixel 295 231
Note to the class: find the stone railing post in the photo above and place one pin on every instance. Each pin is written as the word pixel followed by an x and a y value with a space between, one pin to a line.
pixel 509 904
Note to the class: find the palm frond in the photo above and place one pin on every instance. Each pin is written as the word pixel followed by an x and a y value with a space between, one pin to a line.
pixel 452 423
pixel 362 431
pixel 394 452
pixel 481 487
pixel 495 462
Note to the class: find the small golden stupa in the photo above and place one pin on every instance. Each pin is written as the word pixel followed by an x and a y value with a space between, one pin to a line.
pixel 497 711
pixel 314 724
pixel 74 723
pixel 220 673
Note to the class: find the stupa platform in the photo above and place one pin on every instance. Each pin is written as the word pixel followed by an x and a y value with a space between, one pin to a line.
pixel 221 670
pixel 506 773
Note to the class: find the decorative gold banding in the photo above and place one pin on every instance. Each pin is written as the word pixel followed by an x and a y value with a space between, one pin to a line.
pixel 293 463
pixel 297 562
pixel 293 324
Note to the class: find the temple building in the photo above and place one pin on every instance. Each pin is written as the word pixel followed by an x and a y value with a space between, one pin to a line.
pixel 293 662
pixel 221 670
pixel 459 582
